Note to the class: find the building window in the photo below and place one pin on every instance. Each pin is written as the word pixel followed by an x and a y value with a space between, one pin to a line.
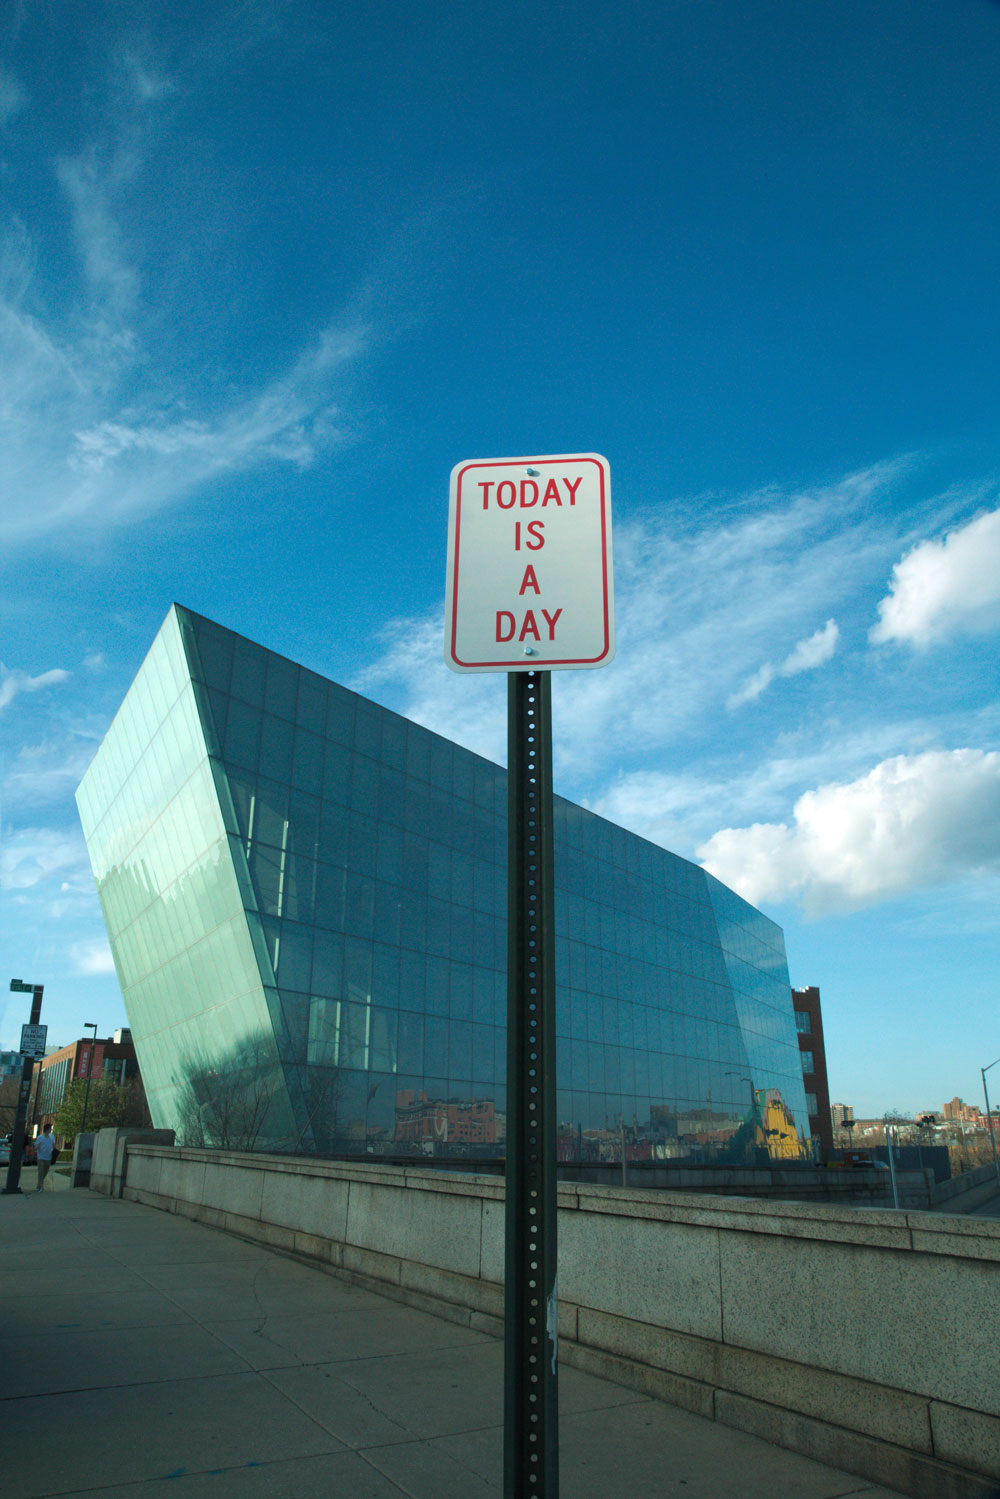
pixel 802 1023
pixel 807 1062
pixel 811 1104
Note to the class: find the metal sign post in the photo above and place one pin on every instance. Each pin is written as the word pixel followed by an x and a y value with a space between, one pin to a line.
pixel 530 591
pixel 531 1409
pixel 24 1093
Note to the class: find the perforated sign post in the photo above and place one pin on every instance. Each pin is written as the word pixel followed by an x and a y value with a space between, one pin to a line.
pixel 530 592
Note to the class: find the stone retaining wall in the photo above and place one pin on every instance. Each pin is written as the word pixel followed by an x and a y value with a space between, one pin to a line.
pixel 866 1339
pixel 965 1192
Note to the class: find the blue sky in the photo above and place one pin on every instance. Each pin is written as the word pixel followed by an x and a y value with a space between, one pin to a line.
pixel 267 272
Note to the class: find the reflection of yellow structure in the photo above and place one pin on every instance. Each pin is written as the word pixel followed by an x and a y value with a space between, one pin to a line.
pixel 775 1130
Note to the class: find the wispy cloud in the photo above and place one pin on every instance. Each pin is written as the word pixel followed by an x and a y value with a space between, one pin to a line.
pixel 814 651
pixel 697 606
pixel 44 773
pixel 945 587
pixel 92 955
pixel 101 425
pixel 78 456
pixel 912 822
pixel 91 187
pixel 146 73
pixel 35 854
pixel 13 95
pixel 14 682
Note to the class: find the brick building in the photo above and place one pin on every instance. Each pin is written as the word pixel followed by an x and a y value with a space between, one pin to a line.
pixel 109 1060
pixel 809 1024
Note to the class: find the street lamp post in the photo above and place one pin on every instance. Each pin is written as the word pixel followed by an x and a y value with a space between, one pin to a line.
pixel 989 1119
pixel 892 1164
pixel 90 1026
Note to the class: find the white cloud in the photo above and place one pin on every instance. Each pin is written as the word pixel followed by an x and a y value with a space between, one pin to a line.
pixel 14 682
pixel 942 588
pixel 814 651
pixel 92 956
pixel 680 809
pixel 912 822
pixel 35 854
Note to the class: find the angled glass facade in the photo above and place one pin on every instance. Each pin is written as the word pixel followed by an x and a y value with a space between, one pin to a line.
pixel 305 896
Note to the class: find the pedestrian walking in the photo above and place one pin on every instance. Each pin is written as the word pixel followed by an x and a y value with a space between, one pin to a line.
pixel 45 1148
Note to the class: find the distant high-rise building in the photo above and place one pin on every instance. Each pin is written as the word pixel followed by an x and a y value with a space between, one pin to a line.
pixel 840 1113
pixel 959 1109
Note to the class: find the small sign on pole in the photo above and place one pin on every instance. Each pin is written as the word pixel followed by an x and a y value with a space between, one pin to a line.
pixel 529 565
pixel 33 1038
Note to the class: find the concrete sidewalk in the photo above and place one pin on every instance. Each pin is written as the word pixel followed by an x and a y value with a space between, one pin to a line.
pixel 145 1355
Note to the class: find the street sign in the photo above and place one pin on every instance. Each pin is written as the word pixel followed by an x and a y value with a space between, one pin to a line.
pixel 529 583
pixel 18 987
pixel 33 1040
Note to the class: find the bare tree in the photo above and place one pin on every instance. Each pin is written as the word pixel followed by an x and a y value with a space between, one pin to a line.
pixel 240 1101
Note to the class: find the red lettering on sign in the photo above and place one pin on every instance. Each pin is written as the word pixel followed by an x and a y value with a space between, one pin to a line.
pixel 573 488
pixel 506 484
pixel 529 580
pixel 502 614
pixel 551 493
pixel 486 485
pixel 550 620
pixel 535 540
pixel 527 484
pixel 529 627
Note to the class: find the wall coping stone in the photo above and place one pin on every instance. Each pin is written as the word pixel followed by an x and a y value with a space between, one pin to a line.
pixel 915 1230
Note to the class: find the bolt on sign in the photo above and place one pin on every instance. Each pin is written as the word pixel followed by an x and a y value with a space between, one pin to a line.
pixel 529 564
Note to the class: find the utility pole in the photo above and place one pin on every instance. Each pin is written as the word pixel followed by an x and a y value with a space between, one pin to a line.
pixel 32 1044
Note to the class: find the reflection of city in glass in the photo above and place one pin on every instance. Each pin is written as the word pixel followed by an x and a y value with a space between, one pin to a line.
pixel 305 896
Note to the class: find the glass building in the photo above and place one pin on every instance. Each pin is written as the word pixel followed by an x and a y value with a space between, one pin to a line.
pixel 305 896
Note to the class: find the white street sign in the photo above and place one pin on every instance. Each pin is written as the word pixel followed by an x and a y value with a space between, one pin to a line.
pixel 529 564
pixel 33 1040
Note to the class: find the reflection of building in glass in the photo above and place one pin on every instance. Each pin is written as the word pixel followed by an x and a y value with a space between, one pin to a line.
pixel 470 1125
pixel 306 896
